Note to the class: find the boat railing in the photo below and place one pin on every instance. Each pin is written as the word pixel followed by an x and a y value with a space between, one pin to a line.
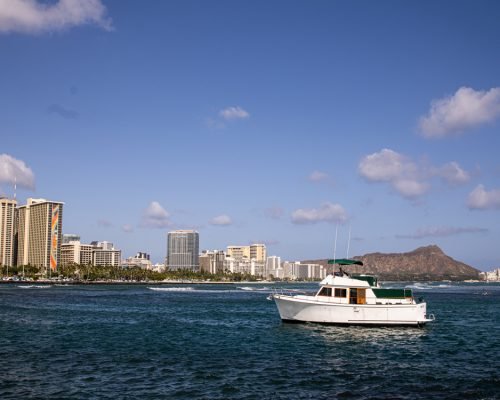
pixel 286 291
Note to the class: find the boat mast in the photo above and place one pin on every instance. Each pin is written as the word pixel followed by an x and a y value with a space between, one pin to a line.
pixel 335 245
pixel 348 242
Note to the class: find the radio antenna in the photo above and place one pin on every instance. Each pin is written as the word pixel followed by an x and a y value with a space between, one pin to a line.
pixel 348 242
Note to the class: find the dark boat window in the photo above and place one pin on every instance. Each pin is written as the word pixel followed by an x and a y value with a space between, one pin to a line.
pixel 325 291
pixel 340 292
pixel 353 296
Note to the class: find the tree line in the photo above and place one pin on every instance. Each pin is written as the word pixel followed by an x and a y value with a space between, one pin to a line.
pixel 90 273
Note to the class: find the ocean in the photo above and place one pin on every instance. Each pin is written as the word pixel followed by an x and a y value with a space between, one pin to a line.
pixel 227 342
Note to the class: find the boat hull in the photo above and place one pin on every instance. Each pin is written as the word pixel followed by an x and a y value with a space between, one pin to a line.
pixel 294 309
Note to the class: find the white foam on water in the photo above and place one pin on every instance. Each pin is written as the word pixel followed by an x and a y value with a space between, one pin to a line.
pixel 174 289
pixel 34 286
pixel 254 289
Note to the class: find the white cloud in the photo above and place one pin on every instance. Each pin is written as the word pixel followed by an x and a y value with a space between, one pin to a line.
pixel 410 188
pixel 104 223
pixel 453 174
pixel 155 216
pixel 399 171
pixel 384 166
pixel 221 220
pixel 481 199
pixel 32 16
pixel 467 108
pixel 274 212
pixel 406 177
pixel 328 212
pixel 127 228
pixel 318 176
pixel 12 170
pixel 441 231
pixel 231 113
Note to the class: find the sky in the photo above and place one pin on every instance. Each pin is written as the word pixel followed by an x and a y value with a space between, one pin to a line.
pixel 322 127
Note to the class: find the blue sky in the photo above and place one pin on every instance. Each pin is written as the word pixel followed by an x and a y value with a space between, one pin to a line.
pixel 258 121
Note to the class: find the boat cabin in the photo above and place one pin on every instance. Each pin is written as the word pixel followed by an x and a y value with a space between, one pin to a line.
pixel 345 288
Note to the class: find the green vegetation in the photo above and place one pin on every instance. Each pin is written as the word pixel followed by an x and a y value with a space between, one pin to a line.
pixel 92 273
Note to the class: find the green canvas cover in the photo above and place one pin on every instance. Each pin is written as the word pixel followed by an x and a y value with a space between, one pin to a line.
pixel 345 261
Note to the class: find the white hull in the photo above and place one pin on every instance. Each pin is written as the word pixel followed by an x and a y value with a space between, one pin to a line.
pixel 310 309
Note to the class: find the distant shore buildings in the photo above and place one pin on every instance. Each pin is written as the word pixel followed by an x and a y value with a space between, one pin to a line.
pixel 31 234
pixel 491 276
pixel 95 253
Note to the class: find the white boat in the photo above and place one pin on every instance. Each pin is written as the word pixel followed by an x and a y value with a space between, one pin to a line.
pixel 352 299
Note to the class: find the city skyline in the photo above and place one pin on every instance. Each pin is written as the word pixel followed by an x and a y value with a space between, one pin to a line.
pixel 277 123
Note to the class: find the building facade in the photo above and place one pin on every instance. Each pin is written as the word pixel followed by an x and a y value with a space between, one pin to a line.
pixel 182 250
pixel 39 234
pixel 141 260
pixel 298 271
pixel 258 252
pixel 75 252
pixel 212 261
pixel 273 267
pixel 238 252
pixel 7 231
pixel 70 237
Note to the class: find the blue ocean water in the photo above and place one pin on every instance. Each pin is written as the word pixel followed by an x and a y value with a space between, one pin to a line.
pixel 227 342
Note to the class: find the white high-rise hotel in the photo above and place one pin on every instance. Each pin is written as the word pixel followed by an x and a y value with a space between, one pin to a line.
pixel 182 250
pixel 7 229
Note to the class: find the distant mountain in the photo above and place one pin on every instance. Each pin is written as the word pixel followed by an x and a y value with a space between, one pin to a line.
pixel 424 263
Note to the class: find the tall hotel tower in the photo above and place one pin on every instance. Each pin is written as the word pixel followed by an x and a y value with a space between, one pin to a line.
pixel 182 250
pixel 7 227
pixel 40 234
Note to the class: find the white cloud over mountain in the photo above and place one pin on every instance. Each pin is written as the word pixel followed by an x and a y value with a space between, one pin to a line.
pixel 327 212
pixel 33 17
pixel 440 231
pixel 466 109
pixel 482 199
pixel 13 171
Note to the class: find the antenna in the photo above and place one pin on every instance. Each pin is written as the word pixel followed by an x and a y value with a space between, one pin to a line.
pixel 335 246
pixel 15 187
pixel 348 242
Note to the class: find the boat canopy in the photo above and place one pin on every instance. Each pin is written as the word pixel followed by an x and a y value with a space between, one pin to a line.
pixel 345 261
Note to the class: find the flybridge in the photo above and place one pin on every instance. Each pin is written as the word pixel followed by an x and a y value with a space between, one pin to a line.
pixel 345 261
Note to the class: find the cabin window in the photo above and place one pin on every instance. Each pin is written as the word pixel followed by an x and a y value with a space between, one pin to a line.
pixel 340 292
pixel 325 291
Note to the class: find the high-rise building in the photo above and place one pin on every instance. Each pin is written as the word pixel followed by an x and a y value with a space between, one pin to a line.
pixel 212 261
pixel 70 237
pixel 75 252
pixel 7 230
pixel 258 252
pixel 254 251
pixel 273 267
pixel 39 229
pixel 238 252
pixel 182 250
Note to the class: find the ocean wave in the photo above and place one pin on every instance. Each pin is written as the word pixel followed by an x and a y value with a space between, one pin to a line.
pixel 34 286
pixel 174 289
pixel 254 289
pixel 418 286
